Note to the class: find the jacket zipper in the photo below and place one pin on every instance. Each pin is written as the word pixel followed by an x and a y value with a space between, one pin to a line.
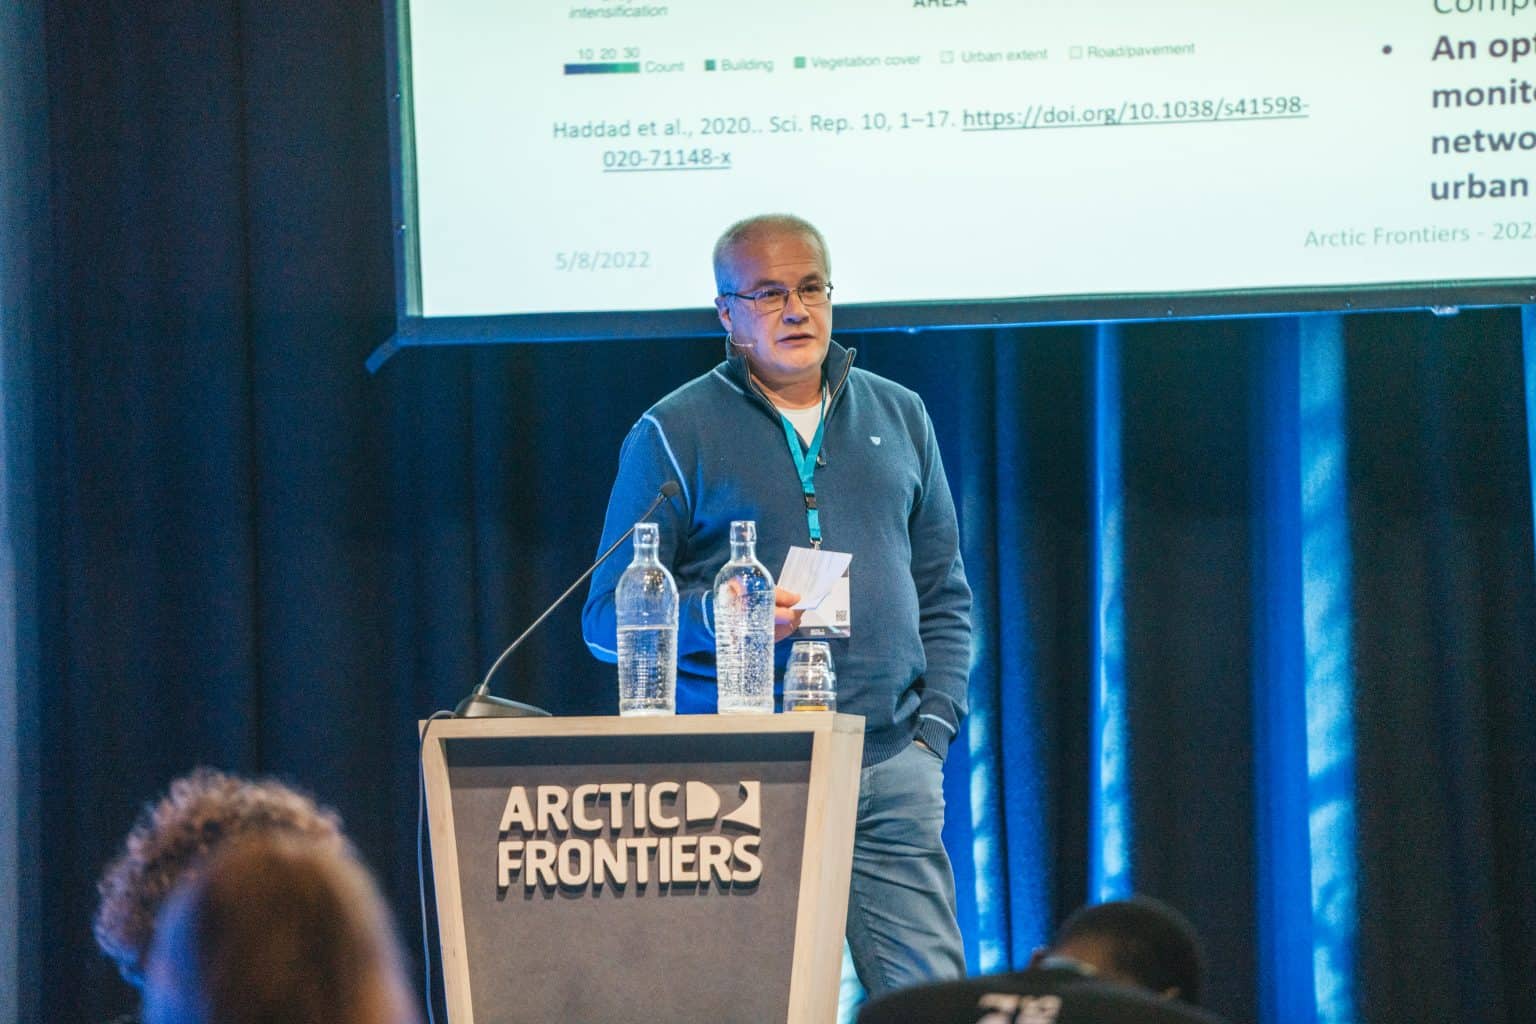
pixel 832 394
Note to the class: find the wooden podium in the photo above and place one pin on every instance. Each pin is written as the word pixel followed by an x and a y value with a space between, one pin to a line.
pixel 678 869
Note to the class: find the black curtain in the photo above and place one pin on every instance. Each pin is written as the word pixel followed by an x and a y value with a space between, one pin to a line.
pixel 250 553
pixel 1441 535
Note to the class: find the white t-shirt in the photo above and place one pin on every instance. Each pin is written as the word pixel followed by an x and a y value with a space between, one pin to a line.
pixel 805 420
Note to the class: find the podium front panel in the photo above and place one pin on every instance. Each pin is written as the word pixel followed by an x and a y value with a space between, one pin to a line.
pixel 614 875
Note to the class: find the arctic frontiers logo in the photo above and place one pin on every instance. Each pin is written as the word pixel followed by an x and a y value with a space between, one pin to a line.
pixel 618 834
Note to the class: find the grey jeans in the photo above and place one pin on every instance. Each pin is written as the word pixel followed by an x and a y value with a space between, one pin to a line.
pixel 901 903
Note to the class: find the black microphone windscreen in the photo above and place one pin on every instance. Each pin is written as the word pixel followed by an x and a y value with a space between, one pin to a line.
pixel 670 489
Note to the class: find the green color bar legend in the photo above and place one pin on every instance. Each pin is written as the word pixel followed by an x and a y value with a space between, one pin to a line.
pixel 607 68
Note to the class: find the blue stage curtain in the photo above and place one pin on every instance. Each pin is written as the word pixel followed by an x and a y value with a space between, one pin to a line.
pixel 26 468
pixel 1302 692
pixel 1255 599
pixel 1256 462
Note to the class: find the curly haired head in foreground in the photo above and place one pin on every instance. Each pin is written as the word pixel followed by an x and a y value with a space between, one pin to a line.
pixel 200 813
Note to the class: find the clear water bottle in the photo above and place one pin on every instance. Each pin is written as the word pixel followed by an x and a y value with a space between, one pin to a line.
pixel 646 605
pixel 744 627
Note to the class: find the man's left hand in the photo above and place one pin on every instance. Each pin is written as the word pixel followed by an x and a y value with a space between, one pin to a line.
pixel 786 617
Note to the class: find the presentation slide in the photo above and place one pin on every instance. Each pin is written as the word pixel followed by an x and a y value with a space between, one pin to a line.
pixel 583 155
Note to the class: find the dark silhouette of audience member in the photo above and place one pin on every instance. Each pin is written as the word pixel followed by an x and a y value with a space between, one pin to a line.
pixel 1135 961
pixel 1140 941
pixel 200 813
pixel 276 931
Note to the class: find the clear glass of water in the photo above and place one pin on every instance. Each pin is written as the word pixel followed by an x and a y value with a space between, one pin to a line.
pixel 810 682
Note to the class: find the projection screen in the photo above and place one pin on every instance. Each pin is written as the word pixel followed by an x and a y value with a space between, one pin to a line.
pixel 564 167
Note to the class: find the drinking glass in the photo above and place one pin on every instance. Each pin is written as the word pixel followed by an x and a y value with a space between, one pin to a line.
pixel 810 682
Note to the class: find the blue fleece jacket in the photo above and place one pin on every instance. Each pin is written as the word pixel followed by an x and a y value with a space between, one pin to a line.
pixel 883 497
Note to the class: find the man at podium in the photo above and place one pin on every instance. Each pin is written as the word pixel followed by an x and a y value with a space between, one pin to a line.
pixel 819 453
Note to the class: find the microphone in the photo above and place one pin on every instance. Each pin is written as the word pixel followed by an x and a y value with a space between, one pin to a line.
pixel 480 704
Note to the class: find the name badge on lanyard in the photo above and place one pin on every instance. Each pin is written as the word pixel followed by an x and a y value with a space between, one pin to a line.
pixel 833 617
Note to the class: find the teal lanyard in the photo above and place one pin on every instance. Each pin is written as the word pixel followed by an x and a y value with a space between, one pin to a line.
pixel 805 463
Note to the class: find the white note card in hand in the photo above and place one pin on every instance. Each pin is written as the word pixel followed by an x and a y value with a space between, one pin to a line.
pixel 811 573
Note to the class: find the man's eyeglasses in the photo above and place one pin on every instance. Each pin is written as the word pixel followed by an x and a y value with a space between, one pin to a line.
pixel 773 300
